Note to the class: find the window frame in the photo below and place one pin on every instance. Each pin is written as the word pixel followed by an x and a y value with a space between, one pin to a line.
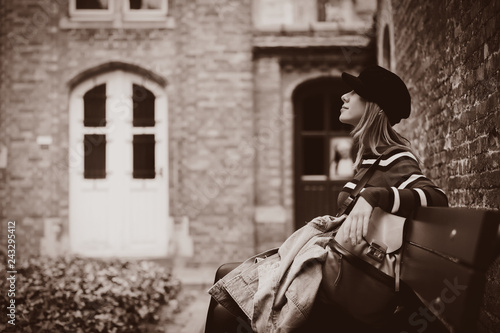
pixel 91 14
pixel 118 10
pixel 144 14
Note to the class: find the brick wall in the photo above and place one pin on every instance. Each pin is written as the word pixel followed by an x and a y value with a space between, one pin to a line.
pixel 26 167
pixel 448 53
pixel 3 143
pixel 271 125
pixel 230 160
pixel 205 56
pixel 216 130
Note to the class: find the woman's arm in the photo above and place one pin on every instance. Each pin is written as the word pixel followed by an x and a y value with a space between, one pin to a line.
pixel 403 202
pixel 399 187
pixel 405 189
pixel 397 201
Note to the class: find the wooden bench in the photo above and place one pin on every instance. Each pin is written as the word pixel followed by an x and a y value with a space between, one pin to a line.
pixel 445 257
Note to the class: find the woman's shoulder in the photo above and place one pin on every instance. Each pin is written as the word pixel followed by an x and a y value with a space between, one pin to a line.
pixel 390 155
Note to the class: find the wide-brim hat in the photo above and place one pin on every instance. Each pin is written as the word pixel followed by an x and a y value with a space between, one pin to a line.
pixel 379 85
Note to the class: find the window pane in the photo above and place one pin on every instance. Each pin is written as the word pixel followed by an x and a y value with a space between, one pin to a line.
pixel 95 156
pixel 94 106
pixel 144 156
pixel 341 158
pixel 146 4
pixel 312 114
pixel 91 4
pixel 313 156
pixel 144 106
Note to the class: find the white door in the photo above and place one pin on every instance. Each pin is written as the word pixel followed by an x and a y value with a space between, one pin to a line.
pixel 118 167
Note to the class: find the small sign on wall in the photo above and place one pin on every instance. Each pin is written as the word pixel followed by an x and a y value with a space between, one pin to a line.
pixel 44 141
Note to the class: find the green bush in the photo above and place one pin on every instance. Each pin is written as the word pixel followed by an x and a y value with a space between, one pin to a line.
pixel 74 294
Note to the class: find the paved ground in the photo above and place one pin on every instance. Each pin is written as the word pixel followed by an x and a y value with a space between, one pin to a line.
pixel 192 315
pixel 193 301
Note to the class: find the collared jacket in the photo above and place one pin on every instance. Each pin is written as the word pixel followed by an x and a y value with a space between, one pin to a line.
pixel 276 289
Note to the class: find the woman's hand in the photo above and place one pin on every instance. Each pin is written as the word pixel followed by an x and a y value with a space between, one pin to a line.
pixel 356 224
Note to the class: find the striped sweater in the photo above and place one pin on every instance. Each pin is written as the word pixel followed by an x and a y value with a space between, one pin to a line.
pixel 397 186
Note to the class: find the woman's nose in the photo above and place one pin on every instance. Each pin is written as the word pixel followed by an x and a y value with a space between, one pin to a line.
pixel 344 98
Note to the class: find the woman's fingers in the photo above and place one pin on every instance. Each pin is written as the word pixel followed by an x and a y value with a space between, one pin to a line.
pixel 365 225
pixel 347 227
pixel 351 226
pixel 359 229
pixel 354 228
pixel 356 224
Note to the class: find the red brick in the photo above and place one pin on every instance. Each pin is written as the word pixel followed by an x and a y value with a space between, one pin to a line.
pixel 473 173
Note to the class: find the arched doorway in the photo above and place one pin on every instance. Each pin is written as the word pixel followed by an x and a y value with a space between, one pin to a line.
pixel 118 166
pixel 322 148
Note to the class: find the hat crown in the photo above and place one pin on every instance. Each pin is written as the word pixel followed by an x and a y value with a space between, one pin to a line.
pixel 379 85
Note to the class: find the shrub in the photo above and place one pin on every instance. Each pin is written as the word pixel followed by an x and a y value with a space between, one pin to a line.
pixel 74 294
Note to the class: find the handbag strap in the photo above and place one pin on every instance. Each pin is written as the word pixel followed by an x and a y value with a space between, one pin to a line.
pixel 349 202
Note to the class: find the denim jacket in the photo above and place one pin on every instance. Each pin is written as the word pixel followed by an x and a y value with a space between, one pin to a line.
pixel 276 289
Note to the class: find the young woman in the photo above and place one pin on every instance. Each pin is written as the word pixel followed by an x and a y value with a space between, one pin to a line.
pixel 279 291
pixel 379 99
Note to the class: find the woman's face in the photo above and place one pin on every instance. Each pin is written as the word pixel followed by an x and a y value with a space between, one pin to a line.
pixel 353 108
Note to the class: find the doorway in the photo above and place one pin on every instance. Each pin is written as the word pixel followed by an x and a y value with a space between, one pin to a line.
pixel 323 149
pixel 118 167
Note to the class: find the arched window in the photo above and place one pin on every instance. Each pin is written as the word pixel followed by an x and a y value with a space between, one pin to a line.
pixel 143 144
pixel 94 116
pixel 144 106
pixel 95 107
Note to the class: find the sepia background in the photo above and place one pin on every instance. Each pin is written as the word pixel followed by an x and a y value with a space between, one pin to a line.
pixel 199 132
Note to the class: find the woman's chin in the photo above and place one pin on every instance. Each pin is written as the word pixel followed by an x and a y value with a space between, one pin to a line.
pixel 345 121
pixel 349 121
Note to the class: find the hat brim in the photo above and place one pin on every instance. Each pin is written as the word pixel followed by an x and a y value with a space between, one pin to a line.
pixel 355 84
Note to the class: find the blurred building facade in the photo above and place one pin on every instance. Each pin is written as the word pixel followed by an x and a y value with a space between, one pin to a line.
pixel 166 128
pixel 208 129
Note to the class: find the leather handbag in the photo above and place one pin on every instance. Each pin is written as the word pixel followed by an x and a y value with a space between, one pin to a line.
pixel 363 279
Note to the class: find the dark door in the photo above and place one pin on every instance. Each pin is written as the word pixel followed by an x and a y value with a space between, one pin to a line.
pixel 323 153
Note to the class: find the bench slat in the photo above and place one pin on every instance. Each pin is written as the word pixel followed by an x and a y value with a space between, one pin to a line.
pixel 469 235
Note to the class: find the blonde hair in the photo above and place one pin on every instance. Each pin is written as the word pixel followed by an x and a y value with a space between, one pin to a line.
pixel 374 131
